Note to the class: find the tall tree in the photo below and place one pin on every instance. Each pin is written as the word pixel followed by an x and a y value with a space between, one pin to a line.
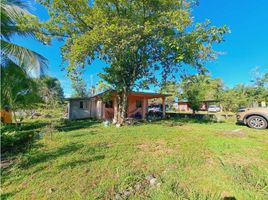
pixel 170 87
pixel 199 88
pixel 103 86
pixel 195 90
pixel 79 86
pixel 50 90
pixel 135 38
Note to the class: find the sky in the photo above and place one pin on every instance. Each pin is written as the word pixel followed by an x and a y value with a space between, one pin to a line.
pixel 244 49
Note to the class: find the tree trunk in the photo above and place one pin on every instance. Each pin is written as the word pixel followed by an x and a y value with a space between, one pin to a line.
pixel 122 107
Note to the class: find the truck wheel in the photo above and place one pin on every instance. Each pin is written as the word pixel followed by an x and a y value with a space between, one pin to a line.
pixel 257 122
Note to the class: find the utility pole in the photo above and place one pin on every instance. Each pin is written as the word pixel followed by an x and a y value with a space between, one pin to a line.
pixel 91 86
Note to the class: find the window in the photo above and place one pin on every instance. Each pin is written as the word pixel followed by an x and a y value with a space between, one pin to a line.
pixel 109 104
pixel 138 104
pixel 81 104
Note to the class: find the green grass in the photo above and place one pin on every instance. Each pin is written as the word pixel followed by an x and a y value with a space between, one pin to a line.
pixel 191 160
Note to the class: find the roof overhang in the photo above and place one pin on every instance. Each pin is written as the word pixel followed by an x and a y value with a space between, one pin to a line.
pixel 148 95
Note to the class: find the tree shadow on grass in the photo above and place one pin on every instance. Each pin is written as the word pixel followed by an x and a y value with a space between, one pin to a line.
pixel 200 119
pixel 78 135
pixel 76 163
pixel 46 156
pixel 68 125
pixel 27 126
pixel 6 196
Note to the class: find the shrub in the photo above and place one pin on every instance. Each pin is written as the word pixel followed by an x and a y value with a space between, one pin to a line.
pixel 12 141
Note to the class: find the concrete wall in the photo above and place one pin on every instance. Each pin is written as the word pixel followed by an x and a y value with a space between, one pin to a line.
pixel 95 108
pixel 132 108
pixel 92 108
pixel 184 106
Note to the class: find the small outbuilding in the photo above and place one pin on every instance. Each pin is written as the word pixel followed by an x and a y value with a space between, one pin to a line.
pixel 184 105
pixel 96 107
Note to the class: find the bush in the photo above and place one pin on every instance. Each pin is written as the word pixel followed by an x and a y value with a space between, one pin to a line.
pixel 12 141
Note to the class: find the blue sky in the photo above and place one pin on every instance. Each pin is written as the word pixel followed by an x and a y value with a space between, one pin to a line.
pixel 245 48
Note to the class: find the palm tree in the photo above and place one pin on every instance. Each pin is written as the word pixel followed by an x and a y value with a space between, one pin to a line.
pixel 11 11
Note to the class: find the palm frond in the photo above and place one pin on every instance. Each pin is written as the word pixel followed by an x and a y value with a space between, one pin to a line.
pixel 12 10
pixel 27 59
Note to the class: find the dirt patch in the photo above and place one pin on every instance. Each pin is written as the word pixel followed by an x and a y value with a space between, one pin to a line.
pixel 233 133
pixel 158 148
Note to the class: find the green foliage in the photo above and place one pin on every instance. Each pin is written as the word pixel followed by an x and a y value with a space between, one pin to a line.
pixel 50 90
pixel 79 86
pixel 135 38
pixel 246 95
pixel 12 141
pixel 17 89
pixel 198 88
pixel 243 96
pixel 103 86
pixel 191 160
pixel 170 87
pixel 30 61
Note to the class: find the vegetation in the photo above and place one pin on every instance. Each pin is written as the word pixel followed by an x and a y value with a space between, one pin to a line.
pixel 201 87
pixel 246 95
pixel 12 54
pixel 173 88
pixel 50 90
pixel 190 160
pixel 18 90
pixel 135 39
pixel 79 85
pixel 48 157
pixel 198 88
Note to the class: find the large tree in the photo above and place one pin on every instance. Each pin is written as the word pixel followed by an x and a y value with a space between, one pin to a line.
pixel 199 88
pixel 50 90
pixel 172 88
pixel 135 39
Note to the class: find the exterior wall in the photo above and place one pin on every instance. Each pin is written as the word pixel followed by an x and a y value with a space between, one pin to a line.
pixel 75 112
pixel 109 112
pixel 92 109
pixel 132 108
pixel 184 106
pixel 95 108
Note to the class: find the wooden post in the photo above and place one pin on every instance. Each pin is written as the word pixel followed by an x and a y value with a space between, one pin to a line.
pixel 69 110
pixel 144 108
pixel 115 110
pixel 103 110
pixel 164 106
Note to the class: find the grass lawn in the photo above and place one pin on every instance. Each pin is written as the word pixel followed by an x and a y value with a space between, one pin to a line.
pixel 189 160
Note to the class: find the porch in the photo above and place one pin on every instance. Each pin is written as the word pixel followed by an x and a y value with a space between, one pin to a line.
pixel 137 105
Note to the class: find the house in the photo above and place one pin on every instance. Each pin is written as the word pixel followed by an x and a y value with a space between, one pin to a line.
pixel 95 107
pixel 184 105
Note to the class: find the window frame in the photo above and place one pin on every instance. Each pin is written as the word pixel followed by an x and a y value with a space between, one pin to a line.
pixel 81 103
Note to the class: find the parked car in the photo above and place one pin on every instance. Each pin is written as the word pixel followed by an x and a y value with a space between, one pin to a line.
pixel 214 108
pixel 253 117
pixel 154 115
pixel 157 107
